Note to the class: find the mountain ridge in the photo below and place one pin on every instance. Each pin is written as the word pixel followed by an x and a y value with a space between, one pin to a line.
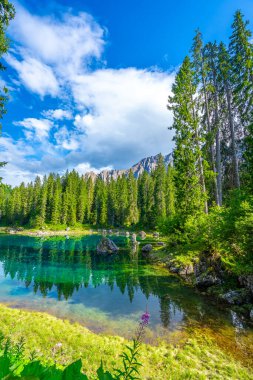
pixel 147 164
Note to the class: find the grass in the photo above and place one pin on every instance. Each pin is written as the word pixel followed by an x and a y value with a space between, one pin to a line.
pixel 196 359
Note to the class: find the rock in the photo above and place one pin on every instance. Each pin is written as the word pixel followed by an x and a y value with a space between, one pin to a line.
pixel 142 235
pixel 133 238
pixel 67 229
pixel 127 234
pixel 251 314
pixel 160 243
pixel 110 232
pixel 174 269
pixel 208 270
pixel 179 268
pixel 104 232
pixel 106 246
pixel 186 270
pixel 247 282
pixel 156 234
pixel 207 279
pixel 236 297
pixel 147 248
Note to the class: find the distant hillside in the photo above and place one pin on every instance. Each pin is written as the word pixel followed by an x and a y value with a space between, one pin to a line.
pixel 147 164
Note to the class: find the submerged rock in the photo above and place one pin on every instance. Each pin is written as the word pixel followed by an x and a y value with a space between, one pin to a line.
pixel 236 297
pixel 247 282
pixel 160 243
pixel 147 248
pixel 142 235
pixel 107 246
pixel 207 279
pixel 208 270
pixel 251 314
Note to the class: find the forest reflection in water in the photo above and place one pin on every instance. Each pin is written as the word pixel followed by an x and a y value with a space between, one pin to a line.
pixel 66 277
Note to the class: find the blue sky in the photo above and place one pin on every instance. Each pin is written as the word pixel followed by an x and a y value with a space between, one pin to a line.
pixel 89 79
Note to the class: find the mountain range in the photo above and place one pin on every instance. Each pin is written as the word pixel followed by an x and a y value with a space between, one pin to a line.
pixel 147 164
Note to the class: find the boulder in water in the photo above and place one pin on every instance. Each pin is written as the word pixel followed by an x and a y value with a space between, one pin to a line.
pixel 106 246
pixel 237 297
pixel 142 235
pixel 147 248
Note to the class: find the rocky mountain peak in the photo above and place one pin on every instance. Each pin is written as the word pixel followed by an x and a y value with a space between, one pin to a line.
pixel 147 164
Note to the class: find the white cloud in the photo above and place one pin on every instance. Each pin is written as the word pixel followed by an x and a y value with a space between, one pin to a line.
pixel 85 167
pixel 66 139
pixel 35 75
pixel 112 117
pixel 128 118
pixel 36 129
pixel 58 114
pixel 70 41
pixel 50 50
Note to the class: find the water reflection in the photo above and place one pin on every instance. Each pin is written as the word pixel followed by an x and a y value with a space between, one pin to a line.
pixel 38 271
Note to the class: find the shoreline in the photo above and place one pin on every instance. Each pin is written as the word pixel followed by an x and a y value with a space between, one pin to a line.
pixel 71 232
pixel 198 356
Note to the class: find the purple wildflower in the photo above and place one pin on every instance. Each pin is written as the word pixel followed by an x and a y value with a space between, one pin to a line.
pixel 141 329
pixel 145 318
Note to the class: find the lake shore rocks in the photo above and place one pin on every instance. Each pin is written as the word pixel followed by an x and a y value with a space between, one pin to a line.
pixel 142 235
pixel 147 249
pixel 106 246
pixel 236 297
pixel 247 282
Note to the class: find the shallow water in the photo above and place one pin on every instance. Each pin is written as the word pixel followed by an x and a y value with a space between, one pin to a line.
pixel 66 278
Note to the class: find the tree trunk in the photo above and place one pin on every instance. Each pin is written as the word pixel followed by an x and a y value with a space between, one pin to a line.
pixel 212 156
pixel 232 132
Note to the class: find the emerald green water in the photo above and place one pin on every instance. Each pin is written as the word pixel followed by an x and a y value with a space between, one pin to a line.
pixel 66 278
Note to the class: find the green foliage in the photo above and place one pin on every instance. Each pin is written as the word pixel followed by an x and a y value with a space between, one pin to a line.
pixel 73 199
pixel 14 365
pixel 188 160
pixel 131 364
pixel 198 358
pixel 227 231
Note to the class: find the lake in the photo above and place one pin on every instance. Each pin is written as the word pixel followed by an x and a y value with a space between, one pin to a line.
pixel 66 278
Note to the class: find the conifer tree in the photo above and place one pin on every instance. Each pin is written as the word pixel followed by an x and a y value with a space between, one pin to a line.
pixel 56 202
pixel 146 199
pixel 225 83
pixel 159 176
pixel 82 201
pixel 241 59
pixel 112 204
pixel 132 212
pixel 122 195
pixel 201 71
pixel 170 191
pixel 188 161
